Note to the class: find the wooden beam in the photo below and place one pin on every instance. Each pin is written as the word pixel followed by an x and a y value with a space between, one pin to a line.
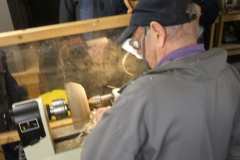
pixel 64 29
pixel 9 137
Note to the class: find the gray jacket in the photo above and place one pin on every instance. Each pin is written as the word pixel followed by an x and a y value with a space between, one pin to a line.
pixel 183 110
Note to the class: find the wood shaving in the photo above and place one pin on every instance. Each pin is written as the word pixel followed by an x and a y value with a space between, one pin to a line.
pixel 87 128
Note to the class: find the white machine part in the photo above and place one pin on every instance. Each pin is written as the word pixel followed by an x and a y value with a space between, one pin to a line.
pixel 33 125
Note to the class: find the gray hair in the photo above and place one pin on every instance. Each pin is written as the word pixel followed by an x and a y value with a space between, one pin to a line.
pixel 186 33
pixel 194 31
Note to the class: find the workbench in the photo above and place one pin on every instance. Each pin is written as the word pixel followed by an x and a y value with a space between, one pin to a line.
pixel 23 47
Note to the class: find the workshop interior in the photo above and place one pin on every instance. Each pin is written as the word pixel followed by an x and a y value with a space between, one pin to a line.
pixel 57 76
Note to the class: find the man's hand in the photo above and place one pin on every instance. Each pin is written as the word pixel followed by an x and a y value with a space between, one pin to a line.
pixel 100 112
pixel 129 11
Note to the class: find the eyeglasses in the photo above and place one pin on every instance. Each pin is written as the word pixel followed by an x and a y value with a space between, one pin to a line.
pixel 134 42
pixel 136 45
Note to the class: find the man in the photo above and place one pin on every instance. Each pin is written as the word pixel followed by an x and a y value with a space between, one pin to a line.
pixel 209 13
pixel 185 108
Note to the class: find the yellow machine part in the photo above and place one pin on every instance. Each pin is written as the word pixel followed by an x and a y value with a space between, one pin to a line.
pixel 54 95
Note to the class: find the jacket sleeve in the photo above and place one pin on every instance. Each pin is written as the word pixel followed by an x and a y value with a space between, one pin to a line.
pixel 209 11
pixel 118 135
pixel 234 146
pixel 67 11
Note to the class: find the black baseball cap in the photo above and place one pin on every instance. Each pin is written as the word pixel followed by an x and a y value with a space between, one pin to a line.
pixel 165 12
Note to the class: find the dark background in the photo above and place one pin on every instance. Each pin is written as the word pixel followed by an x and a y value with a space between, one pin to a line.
pixel 33 13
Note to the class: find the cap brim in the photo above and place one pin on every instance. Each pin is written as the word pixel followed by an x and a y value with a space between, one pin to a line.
pixel 126 34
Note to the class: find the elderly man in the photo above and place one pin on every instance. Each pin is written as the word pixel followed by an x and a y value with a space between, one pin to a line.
pixel 185 108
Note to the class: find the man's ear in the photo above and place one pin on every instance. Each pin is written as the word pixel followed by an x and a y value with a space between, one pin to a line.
pixel 158 32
